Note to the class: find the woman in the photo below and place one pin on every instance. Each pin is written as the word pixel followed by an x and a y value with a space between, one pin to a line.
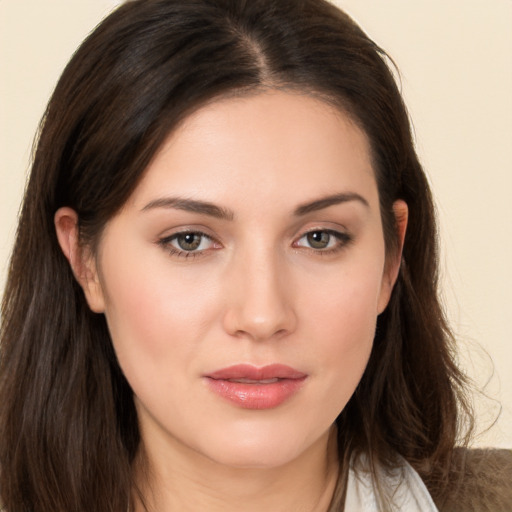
pixel 223 289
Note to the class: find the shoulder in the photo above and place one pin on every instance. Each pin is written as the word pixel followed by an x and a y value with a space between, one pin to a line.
pixel 480 481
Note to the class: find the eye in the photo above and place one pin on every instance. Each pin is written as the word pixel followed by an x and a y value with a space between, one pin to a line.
pixel 319 239
pixel 190 241
pixel 323 240
pixel 187 243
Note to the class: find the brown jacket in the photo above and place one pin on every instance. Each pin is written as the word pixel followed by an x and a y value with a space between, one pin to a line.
pixel 482 482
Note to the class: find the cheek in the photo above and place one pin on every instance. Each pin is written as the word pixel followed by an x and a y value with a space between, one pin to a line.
pixel 342 324
pixel 157 315
pixel 346 306
pixel 349 336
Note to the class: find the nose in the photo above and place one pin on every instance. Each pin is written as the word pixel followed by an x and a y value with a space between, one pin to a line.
pixel 259 298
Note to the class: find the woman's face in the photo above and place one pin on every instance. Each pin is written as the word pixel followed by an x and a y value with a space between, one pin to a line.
pixel 242 280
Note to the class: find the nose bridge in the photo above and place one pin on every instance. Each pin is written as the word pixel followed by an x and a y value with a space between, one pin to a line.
pixel 260 305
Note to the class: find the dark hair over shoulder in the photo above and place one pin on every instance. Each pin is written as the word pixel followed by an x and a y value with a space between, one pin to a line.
pixel 68 426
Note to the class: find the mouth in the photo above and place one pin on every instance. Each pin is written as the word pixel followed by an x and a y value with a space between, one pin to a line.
pixel 249 387
pixel 251 381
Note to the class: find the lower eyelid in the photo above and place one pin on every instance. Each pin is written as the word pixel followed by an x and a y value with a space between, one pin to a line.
pixel 166 244
pixel 341 237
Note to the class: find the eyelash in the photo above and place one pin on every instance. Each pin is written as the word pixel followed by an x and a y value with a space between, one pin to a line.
pixel 342 240
pixel 166 243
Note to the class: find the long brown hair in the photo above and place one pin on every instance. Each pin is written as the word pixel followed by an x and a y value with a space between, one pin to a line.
pixel 68 425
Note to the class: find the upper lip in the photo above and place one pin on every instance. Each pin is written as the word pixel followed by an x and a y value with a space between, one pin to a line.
pixel 250 372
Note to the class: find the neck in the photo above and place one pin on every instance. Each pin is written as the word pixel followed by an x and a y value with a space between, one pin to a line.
pixel 190 482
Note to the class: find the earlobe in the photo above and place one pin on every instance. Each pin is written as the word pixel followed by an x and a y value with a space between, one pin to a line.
pixel 81 261
pixel 401 212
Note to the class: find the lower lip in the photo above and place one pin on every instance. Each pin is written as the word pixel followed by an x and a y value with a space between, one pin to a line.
pixel 256 396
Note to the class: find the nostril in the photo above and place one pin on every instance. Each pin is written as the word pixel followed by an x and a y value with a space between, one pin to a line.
pixel 259 304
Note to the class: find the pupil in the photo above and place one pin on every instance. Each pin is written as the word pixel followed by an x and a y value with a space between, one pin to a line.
pixel 318 239
pixel 189 241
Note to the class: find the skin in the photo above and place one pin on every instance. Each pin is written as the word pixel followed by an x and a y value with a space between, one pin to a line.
pixel 255 291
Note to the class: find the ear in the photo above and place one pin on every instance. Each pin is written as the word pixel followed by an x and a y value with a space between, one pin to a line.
pixel 401 212
pixel 80 259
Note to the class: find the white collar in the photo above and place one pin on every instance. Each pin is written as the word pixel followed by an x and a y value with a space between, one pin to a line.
pixel 404 485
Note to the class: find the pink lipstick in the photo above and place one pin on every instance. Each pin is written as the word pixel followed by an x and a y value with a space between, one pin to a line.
pixel 250 387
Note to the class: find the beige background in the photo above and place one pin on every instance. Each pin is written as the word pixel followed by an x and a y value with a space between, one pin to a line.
pixel 455 57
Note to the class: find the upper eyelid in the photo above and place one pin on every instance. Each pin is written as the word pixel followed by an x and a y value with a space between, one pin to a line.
pixel 186 230
pixel 327 230
pixel 335 232
pixel 205 232
pixel 325 223
pixel 340 233
pixel 165 242
pixel 343 239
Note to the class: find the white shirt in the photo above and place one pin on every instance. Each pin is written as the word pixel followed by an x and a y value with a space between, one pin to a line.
pixel 407 490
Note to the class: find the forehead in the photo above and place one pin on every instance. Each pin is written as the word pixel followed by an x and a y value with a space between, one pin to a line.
pixel 270 146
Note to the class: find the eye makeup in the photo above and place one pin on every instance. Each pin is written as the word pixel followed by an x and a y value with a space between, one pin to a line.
pixel 196 243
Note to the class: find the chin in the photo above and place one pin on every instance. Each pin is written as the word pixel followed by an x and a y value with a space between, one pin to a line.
pixel 262 458
pixel 263 449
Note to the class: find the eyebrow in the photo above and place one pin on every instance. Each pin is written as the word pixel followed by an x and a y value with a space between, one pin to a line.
pixel 325 202
pixel 207 208
pixel 191 205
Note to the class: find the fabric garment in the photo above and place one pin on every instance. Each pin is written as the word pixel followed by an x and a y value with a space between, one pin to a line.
pixel 404 487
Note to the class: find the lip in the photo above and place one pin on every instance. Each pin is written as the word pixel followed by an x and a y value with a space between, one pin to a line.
pixel 250 387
